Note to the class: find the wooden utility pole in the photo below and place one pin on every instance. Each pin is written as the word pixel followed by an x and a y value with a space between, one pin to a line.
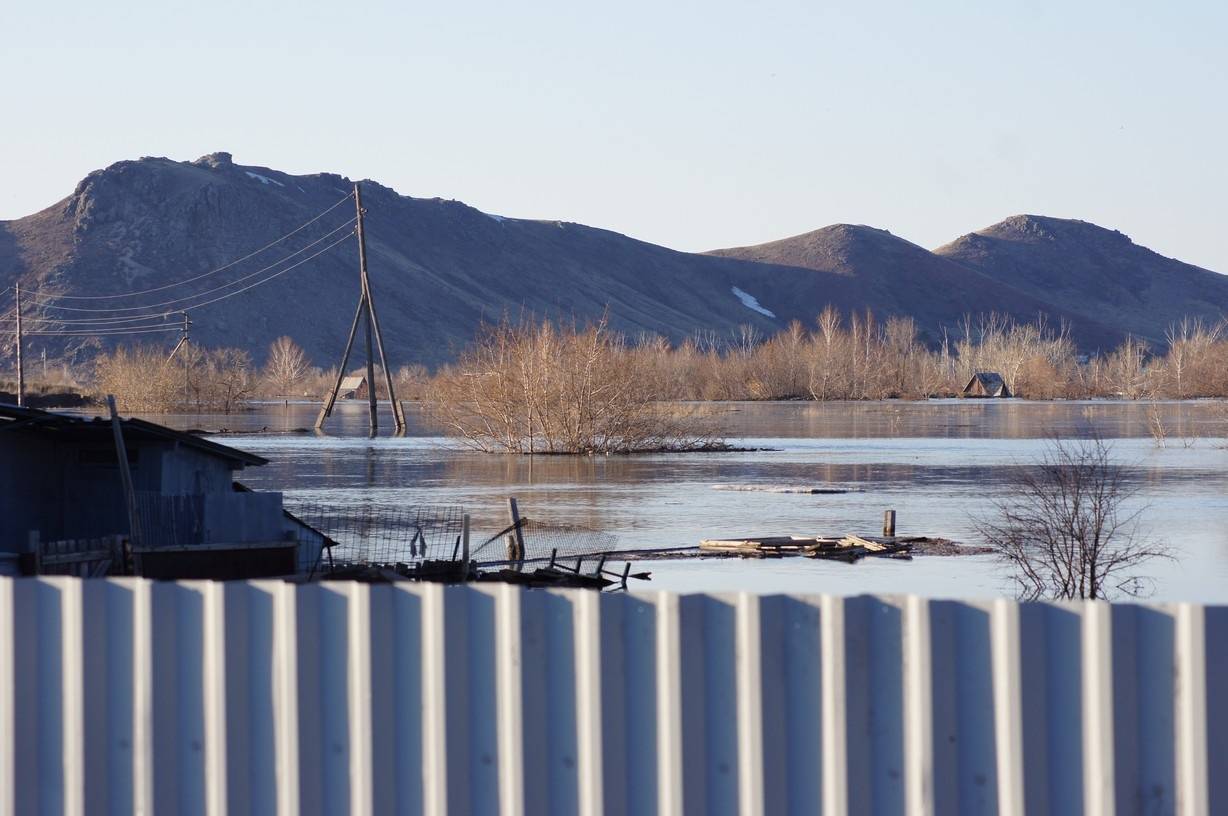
pixel 21 371
pixel 184 339
pixel 366 306
pixel 125 475
pixel 366 296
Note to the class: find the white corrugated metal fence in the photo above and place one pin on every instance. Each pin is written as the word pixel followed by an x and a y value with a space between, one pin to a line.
pixel 126 695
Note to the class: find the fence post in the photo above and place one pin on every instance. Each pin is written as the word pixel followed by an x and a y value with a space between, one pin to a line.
pixel 889 524
pixel 465 545
pixel 515 538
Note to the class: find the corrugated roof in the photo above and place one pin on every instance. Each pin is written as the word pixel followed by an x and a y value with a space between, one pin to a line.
pixel 351 383
pixel 13 417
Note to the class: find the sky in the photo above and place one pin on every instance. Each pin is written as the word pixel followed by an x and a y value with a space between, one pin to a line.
pixel 695 125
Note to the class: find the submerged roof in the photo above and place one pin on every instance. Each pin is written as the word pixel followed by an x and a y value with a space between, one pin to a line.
pixel 991 381
pixel 70 427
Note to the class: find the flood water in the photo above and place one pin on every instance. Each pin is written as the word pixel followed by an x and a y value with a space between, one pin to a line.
pixel 939 464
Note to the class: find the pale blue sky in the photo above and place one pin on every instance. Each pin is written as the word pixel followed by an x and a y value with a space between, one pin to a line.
pixel 695 125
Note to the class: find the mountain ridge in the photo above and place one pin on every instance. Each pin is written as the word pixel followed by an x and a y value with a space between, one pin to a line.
pixel 439 267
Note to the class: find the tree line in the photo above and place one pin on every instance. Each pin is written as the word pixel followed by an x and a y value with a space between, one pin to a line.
pixel 840 357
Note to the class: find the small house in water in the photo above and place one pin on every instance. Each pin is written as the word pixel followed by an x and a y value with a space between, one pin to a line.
pixel 353 388
pixel 66 510
pixel 986 384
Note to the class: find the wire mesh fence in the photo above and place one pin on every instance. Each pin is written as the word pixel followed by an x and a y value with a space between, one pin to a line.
pixel 384 536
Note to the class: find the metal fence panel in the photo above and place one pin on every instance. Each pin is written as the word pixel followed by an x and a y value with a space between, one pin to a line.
pixel 126 695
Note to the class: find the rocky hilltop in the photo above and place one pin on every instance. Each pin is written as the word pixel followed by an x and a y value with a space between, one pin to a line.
pixel 1092 272
pixel 154 236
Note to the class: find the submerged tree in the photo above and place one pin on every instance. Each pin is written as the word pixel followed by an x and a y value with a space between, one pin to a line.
pixel 1065 532
pixel 287 365
pixel 537 388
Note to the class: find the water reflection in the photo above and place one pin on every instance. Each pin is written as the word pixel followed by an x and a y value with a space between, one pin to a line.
pixel 939 464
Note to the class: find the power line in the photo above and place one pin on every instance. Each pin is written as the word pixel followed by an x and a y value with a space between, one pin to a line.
pixel 158 306
pixel 98 333
pixel 264 248
pixel 276 274
pixel 110 332
pixel 98 320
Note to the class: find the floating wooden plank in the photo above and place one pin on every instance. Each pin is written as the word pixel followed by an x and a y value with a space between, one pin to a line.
pixel 848 547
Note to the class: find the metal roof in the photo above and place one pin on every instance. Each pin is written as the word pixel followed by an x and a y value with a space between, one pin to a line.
pixel 70 427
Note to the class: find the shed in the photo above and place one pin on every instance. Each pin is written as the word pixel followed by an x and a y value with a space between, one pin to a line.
pixel 986 384
pixel 61 491
pixel 353 388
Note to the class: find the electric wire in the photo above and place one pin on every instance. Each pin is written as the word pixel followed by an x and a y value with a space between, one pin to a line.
pixel 276 274
pixel 157 307
pixel 112 321
pixel 97 333
pixel 235 262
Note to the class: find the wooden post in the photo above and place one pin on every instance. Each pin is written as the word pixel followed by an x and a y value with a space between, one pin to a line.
pixel 326 410
pixel 36 548
pixel 516 536
pixel 125 474
pixel 21 371
pixel 889 524
pixel 465 545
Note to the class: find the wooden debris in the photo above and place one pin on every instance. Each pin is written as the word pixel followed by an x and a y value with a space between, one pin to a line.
pixel 845 548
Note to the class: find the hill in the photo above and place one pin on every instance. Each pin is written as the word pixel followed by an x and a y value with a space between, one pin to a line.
pixel 1092 273
pixel 860 265
pixel 438 267
pixel 146 238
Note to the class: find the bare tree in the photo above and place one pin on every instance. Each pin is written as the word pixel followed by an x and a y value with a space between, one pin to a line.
pixel 287 365
pixel 1065 532
pixel 229 378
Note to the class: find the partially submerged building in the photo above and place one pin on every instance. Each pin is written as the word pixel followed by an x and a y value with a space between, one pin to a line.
pixel 986 384
pixel 65 508
pixel 354 387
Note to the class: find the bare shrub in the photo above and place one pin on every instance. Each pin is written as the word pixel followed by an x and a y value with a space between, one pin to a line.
pixel 412 382
pixel 535 388
pixel 142 378
pixel 1064 531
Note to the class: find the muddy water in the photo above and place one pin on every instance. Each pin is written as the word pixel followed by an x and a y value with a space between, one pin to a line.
pixel 939 464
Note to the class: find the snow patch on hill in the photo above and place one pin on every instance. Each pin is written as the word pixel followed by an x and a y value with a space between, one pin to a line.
pixel 264 179
pixel 751 302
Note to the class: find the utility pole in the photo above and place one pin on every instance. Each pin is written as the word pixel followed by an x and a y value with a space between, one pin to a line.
pixel 21 371
pixel 366 295
pixel 187 325
pixel 183 342
pixel 366 306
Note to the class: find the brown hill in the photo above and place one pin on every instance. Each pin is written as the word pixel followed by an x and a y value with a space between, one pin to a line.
pixel 860 265
pixel 439 268
pixel 1093 273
